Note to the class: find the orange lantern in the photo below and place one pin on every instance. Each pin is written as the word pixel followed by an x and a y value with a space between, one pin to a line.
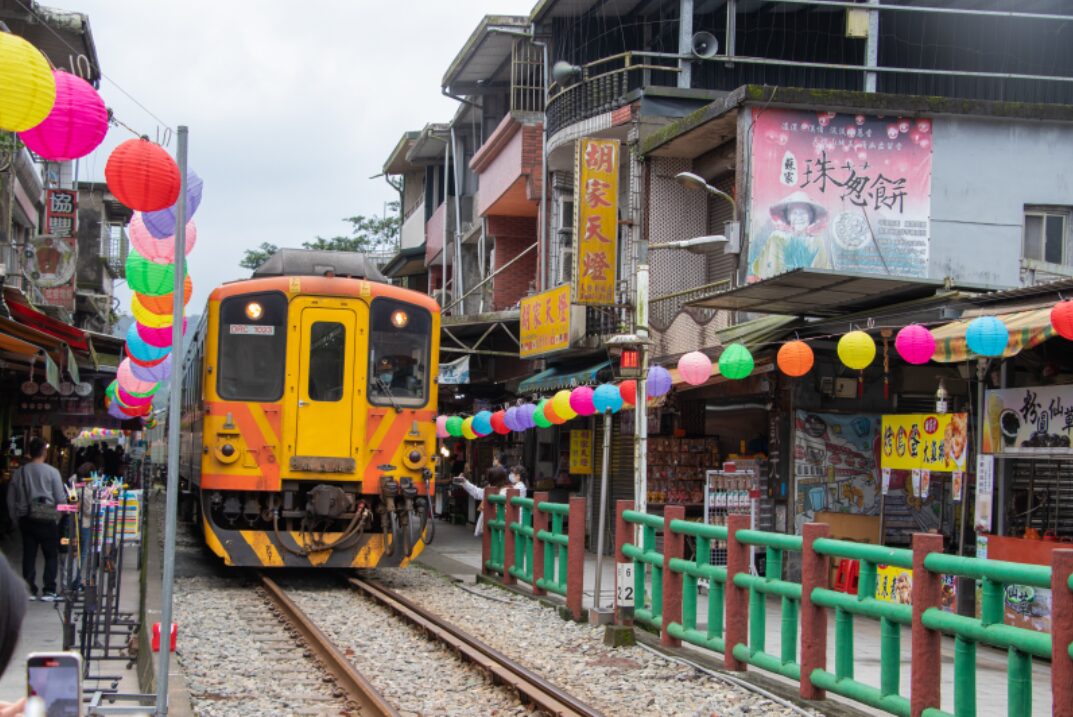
pixel 795 358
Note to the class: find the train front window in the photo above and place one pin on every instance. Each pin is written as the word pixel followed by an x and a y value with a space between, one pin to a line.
pixel 399 338
pixel 253 342
pixel 327 355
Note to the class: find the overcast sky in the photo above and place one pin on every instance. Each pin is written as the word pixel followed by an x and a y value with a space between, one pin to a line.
pixel 291 106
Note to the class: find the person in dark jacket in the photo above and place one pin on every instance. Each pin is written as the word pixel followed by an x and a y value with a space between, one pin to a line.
pixel 37 489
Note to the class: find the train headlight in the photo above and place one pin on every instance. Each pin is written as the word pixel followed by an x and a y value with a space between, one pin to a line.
pixel 414 459
pixel 254 311
pixel 399 319
pixel 226 452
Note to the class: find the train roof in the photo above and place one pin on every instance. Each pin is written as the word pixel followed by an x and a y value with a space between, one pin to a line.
pixel 316 262
pixel 324 286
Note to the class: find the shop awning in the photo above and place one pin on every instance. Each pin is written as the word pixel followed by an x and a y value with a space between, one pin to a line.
pixel 716 377
pixel 553 379
pixel 1028 328
pixel 23 311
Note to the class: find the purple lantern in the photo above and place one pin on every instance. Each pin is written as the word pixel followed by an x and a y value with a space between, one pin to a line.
pixel 161 223
pixel 659 381
pixel 156 373
pixel 525 412
pixel 510 417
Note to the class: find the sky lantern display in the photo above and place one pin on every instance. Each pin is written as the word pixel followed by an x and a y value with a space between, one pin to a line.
pixel 987 336
pixel 161 223
pixel 453 426
pixel 581 401
pixel 141 351
pixel 695 368
pixel 158 251
pixel 156 372
pixel 795 358
pixel 148 318
pixel 499 424
pixel 27 85
pixel 142 175
pixel 467 429
pixel 162 304
pixel 915 344
pixel 75 126
pixel 607 398
pixel 482 423
pixel 561 403
pixel 658 382
pixel 160 338
pixel 1062 319
pixel 539 418
pixel 856 350
pixel 628 391
pixel 736 362
pixel 146 277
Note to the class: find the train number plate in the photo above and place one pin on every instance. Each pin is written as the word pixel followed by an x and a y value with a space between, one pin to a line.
pixel 319 464
pixel 252 330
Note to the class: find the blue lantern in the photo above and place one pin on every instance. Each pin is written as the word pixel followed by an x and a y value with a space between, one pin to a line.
pixel 987 336
pixel 482 423
pixel 140 350
pixel 606 398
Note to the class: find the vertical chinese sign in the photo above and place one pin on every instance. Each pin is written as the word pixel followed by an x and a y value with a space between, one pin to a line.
pixel 581 452
pixel 53 256
pixel 850 193
pixel 545 322
pixel 596 220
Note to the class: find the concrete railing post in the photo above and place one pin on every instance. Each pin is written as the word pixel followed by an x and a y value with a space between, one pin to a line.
pixel 674 546
pixel 1061 633
pixel 487 511
pixel 623 535
pixel 510 516
pixel 737 599
pixel 815 573
pixel 926 663
pixel 575 557
pixel 540 522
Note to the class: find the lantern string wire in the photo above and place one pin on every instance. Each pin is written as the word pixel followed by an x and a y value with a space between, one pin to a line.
pixel 28 8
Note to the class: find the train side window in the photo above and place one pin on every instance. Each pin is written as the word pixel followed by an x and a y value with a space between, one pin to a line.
pixel 399 345
pixel 327 356
pixel 253 342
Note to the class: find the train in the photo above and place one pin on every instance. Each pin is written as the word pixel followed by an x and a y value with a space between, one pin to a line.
pixel 308 416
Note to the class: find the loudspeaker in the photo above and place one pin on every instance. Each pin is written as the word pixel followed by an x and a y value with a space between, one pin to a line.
pixel 704 45
pixel 564 73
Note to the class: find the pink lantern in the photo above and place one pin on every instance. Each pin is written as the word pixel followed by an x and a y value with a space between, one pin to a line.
pixel 581 401
pixel 695 368
pixel 158 251
pixel 132 401
pixel 915 344
pixel 157 338
pixel 441 427
pixel 76 125
pixel 129 382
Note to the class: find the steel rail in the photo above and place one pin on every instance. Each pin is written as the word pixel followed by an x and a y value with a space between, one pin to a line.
pixel 357 688
pixel 527 683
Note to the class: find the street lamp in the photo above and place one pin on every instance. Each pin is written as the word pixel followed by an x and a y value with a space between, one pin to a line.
pixel 696 245
pixel 732 231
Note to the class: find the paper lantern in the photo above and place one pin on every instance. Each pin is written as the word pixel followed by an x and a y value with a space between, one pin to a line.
pixel 137 349
pixel 158 251
pixel 441 427
pixel 1062 319
pixel 735 362
pixel 142 394
pixel 163 304
pixel 987 336
pixel 581 401
pixel 628 391
pixel 27 85
pixel 160 338
pixel 561 402
pixel 157 372
pixel 453 425
pixel 607 398
pixel 467 429
pixel 142 175
pixel 161 223
pixel 128 380
pixel 795 358
pixel 482 423
pixel 130 400
pixel 526 415
pixel 499 424
pixel 136 361
pixel 659 381
pixel 915 344
pixel 856 350
pixel 551 414
pixel 75 126
pixel 146 277
pixel 539 417
pixel 695 368
pixel 148 318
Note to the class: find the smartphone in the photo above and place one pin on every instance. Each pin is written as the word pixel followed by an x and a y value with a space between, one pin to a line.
pixel 56 677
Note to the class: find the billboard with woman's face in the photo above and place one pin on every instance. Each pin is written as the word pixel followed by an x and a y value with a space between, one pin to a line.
pixel 844 192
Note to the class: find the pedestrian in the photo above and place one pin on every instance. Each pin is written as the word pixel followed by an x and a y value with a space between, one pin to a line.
pixel 12 611
pixel 517 478
pixel 495 481
pixel 38 490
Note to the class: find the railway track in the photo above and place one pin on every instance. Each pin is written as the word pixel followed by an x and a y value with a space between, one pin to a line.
pixel 531 687
pixel 358 690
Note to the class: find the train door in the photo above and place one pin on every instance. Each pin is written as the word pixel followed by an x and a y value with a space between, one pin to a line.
pixel 326 355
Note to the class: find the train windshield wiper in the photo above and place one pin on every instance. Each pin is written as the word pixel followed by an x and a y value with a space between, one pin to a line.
pixel 387 392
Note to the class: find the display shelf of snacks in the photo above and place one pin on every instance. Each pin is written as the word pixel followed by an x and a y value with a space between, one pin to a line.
pixel 676 470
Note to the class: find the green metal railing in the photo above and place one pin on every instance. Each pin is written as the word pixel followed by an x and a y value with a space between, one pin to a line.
pixel 556 543
pixel 523 540
pixel 649 607
pixel 496 528
pixel 693 571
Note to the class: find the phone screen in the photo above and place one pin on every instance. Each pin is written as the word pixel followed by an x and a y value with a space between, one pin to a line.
pixel 55 680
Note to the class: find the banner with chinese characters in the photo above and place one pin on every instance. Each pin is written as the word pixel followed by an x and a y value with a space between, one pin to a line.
pixel 850 193
pixel 581 452
pixel 925 441
pixel 545 322
pixel 596 220
pixel 1030 420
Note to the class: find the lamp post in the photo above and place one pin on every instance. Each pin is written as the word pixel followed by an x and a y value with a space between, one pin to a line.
pixel 732 229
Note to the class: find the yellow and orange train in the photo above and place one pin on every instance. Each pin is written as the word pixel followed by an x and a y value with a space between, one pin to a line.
pixel 308 422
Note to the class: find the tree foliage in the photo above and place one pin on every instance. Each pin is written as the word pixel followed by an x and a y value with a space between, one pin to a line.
pixel 367 234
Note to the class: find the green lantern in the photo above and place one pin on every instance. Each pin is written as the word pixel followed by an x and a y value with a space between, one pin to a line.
pixel 454 426
pixel 538 415
pixel 736 362
pixel 150 392
pixel 149 278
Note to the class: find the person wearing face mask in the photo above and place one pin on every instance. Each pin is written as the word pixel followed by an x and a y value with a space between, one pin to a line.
pixel 799 240
pixel 516 478
pixel 496 481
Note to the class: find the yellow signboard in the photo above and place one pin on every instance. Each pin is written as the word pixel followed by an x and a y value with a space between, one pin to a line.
pixel 545 322
pixel 596 220
pixel 927 441
pixel 581 452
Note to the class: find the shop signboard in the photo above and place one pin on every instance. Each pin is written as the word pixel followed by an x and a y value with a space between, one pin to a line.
pixel 581 452
pixel 925 441
pixel 1029 421
pixel 454 373
pixel 596 220
pixel 894 584
pixel 985 487
pixel 850 193
pixel 546 321
pixel 53 255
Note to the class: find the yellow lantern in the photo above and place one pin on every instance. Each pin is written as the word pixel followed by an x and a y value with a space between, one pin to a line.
pixel 467 429
pixel 145 317
pixel 27 85
pixel 560 403
pixel 857 350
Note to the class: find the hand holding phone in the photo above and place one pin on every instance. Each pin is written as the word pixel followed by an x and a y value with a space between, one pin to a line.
pixel 12 709
pixel 56 677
